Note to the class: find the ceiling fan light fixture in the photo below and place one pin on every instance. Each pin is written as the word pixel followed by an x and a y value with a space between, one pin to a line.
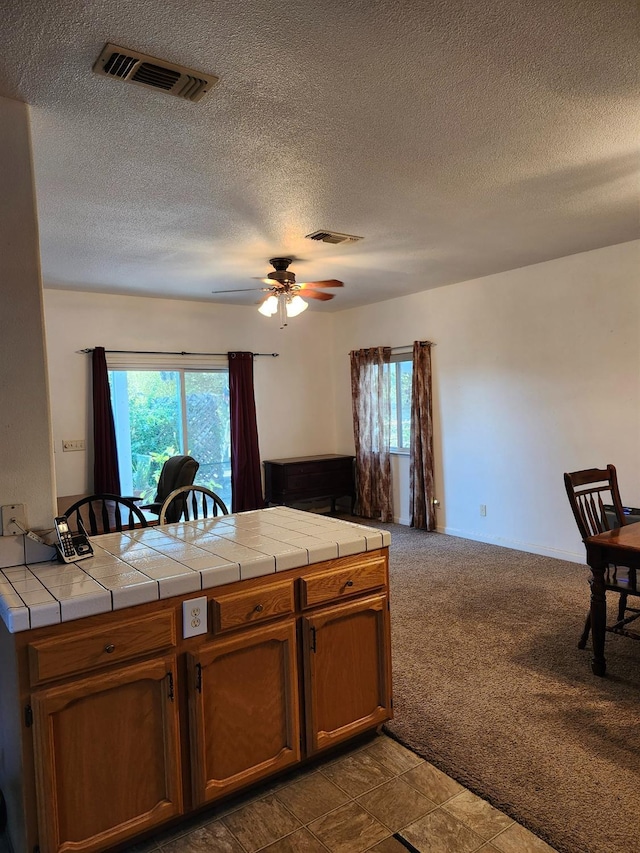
pixel 296 305
pixel 269 307
pixel 283 292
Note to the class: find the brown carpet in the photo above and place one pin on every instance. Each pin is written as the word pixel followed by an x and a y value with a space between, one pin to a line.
pixel 489 686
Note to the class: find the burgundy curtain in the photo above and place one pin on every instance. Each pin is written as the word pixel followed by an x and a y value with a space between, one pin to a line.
pixel 423 512
pixel 371 399
pixel 246 484
pixel 106 478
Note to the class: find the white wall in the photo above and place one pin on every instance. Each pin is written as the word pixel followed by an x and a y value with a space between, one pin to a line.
pixel 294 392
pixel 25 437
pixel 536 372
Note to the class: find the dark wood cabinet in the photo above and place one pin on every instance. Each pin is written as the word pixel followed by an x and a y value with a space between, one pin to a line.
pixel 302 478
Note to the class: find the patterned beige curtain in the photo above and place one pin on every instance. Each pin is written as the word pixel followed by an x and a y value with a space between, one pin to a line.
pixel 423 513
pixel 371 396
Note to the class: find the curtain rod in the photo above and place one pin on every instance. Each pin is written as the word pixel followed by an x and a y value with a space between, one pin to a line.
pixel 160 352
pixel 410 346
pixel 406 347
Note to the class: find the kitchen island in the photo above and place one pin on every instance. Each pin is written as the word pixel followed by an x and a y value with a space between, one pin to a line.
pixel 181 664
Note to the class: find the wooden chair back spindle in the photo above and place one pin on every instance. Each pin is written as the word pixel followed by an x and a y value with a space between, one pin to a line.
pixel 585 490
pixel 190 503
pixel 109 516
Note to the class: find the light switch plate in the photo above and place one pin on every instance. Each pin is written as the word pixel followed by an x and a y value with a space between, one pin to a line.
pixel 194 617
pixel 73 444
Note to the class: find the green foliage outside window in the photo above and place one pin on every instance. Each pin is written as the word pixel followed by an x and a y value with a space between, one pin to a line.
pixel 149 411
pixel 400 427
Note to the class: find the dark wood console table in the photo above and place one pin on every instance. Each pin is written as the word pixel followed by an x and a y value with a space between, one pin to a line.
pixel 302 478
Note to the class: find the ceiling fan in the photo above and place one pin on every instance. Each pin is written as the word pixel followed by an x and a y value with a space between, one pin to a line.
pixel 283 292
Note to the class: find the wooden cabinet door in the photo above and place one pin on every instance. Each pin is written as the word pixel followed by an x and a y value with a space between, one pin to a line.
pixel 107 756
pixel 244 713
pixel 347 673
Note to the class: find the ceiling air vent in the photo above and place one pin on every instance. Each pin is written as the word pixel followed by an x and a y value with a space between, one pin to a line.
pixel 332 237
pixel 134 67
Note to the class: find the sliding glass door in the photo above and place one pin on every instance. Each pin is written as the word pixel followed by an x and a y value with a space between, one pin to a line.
pixel 162 413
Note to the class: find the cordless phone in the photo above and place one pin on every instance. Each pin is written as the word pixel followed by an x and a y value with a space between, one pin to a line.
pixel 71 547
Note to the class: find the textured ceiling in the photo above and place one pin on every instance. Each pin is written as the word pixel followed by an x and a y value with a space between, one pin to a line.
pixel 458 137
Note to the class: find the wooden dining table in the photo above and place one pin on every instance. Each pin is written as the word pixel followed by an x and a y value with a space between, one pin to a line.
pixel 619 547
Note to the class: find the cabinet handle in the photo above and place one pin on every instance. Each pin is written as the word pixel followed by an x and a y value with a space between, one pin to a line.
pixel 109 648
pixel 312 638
pixel 258 608
pixel 349 583
pixel 170 680
pixel 199 677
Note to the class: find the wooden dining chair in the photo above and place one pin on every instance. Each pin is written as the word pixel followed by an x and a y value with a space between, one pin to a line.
pixel 105 514
pixel 191 502
pixel 595 501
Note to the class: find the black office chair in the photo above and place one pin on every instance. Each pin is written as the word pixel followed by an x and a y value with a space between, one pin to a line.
pixel 105 514
pixel 587 492
pixel 191 502
pixel 176 472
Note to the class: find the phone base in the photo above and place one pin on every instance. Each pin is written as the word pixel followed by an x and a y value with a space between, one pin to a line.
pixel 81 546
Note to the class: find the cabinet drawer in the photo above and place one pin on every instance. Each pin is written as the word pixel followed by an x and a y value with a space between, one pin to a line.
pixel 233 609
pixel 84 650
pixel 328 480
pixel 334 584
pixel 329 466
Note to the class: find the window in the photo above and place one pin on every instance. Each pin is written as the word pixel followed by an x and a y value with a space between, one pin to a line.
pixel 160 413
pixel 401 378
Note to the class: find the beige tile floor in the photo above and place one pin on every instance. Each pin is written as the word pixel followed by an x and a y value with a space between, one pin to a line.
pixel 354 803
pixel 360 801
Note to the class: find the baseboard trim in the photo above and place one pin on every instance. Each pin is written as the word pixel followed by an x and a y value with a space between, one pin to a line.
pixel 530 547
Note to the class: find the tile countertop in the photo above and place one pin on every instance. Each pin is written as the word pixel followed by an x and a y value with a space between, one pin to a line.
pixel 150 563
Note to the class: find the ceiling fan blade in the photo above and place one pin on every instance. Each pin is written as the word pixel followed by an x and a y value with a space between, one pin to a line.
pixel 311 294
pixel 239 290
pixel 330 282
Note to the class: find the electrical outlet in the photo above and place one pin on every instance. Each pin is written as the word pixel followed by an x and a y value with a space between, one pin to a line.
pixel 14 519
pixel 483 509
pixel 194 617
pixel 75 444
